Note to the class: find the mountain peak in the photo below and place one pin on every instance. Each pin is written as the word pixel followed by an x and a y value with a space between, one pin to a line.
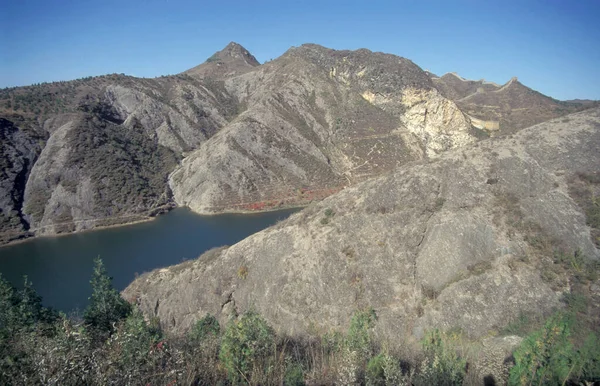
pixel 231 60
pixel 234 52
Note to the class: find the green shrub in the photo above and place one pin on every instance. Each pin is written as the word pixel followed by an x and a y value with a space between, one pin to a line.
pixel 545 356
pixel 245 343
pixel 106 307
pixel 206 328
pixel 375 370
pixel 442 364
pixel 359 333
pixel 135 351
pixel 588 360
pixel 294 375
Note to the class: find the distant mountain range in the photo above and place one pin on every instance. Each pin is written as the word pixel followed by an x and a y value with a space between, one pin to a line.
pixel 234 135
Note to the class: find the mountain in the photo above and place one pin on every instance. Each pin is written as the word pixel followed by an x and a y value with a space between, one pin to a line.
pixel 98 151
pixel 474 240
pixel 317 119
pixel 230 61
pixel 227 135
pixel 512 106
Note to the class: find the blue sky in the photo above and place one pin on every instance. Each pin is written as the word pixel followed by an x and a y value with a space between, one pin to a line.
pixel 552 46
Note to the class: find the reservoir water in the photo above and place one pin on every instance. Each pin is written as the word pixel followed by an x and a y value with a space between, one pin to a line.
pixel 60 267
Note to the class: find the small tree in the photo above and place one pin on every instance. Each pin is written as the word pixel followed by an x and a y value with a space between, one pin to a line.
pixel 106 304
pixel 245 343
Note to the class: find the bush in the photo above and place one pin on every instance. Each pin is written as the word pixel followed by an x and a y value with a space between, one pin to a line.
pixel 359 333
pixel 545 356
pixel 106 307
pixel 206 328
pixel 442 365
pixel 245 344
pixel 375 370
pixel 136 350
pixel 358 347
pixel 294 375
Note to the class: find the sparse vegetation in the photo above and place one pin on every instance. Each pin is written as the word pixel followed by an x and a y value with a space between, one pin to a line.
pixel 548 356
pixel 41 346
pixel 242 272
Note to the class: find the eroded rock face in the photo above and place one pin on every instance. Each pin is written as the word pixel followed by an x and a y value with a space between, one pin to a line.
pixel 94 173
pixel 445 244
pixel 435 120
pixel 18 152
pixel 97 151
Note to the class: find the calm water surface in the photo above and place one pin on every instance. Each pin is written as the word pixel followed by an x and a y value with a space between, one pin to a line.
pixel 60 267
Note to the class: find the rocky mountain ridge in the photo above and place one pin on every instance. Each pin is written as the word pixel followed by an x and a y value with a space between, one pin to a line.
pixel 513 106
pixel 227 135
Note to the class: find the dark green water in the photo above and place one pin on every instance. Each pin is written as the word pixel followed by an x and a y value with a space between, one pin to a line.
pixel 60 267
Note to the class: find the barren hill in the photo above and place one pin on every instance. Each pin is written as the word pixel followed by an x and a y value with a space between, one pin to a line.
pixel 471 240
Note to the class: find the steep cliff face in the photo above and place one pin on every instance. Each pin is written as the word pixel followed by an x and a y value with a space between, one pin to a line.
pixel 468 240
pixel 18 152
pixel 94 173
pixel 318 119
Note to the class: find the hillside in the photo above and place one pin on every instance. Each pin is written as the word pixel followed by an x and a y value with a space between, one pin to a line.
pixel 470 241
pixel 315 121
pixel 227 135
pixel 98 151
pixel 513 105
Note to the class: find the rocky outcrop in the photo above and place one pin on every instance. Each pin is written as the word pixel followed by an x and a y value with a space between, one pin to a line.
pixel 464 241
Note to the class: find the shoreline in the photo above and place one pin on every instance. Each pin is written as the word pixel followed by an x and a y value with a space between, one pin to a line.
pixel 147 218
pixel 140 219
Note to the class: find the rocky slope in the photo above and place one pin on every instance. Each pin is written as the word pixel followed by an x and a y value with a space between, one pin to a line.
pixel 470 240
pixel 98 151
pixel 18 152
pixel 513 105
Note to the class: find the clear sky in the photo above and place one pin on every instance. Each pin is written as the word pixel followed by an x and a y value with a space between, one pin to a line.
pixel 552 46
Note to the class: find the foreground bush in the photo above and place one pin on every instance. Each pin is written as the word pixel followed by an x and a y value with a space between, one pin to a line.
pixel 547 356
pixel 246 346
pixel 106 307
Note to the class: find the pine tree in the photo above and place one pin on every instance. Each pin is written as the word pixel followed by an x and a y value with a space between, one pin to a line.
pixel 106 306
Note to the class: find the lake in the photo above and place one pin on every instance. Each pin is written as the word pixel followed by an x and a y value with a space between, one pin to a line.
pixel 61 267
